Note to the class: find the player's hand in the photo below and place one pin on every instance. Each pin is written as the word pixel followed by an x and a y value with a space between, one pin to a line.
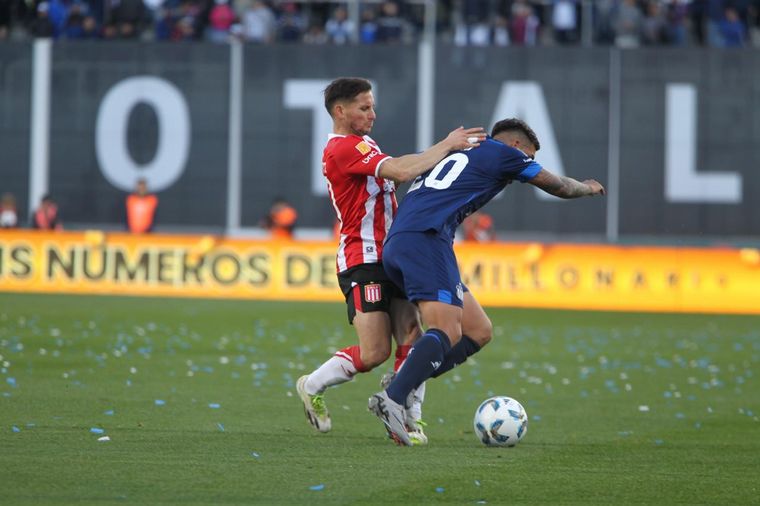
pixel 463 138
pixel 596 187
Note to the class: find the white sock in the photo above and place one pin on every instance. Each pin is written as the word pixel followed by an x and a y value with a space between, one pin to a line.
pixel 338 369
pixel 415 411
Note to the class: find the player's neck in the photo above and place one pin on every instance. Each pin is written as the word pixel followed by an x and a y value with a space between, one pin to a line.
pixel 344 130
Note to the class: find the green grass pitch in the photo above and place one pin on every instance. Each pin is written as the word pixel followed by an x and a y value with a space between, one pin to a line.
pixel 197 398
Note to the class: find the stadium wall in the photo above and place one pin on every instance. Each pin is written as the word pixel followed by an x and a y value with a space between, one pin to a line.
pixel 587 277
pixel 672 132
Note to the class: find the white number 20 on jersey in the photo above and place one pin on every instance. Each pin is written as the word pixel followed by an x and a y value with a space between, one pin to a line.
pixel 431 181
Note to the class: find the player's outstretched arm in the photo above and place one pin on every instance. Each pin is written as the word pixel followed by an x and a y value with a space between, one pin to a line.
pixel 407 167
pixel 566 187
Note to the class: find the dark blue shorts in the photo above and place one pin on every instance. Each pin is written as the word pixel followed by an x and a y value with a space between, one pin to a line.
pixel 424 266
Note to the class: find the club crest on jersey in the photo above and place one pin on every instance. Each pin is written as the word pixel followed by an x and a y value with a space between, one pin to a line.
pixel 373 292
pixel 363 148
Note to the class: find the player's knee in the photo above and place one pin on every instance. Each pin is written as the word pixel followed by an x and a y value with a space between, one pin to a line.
pixel 454 332
pixel 409 334
pixel 483 333
pixel 373 357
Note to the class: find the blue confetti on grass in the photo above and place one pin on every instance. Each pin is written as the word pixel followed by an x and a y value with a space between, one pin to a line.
pixel 214 405
pixel 255 455
pixel 11 381
pixel 159 402
pixel 659 442
pixel 15 429
pixel 440 490
pixel 477 483
pixel 317 487
pixel 96 430
pixel 221 427
pixel 108 413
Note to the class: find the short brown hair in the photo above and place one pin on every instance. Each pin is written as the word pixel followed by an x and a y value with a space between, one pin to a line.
pixel 345 88
pixel 516 125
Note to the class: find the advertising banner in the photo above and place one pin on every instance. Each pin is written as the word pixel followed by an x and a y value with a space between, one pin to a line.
pixel 584 277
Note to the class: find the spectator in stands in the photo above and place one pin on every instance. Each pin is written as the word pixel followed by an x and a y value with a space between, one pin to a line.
pixel 501 31
pixel 42 27
pixel 368 28
pixel 74 28
pixel 715 11
pixel 8 215
pixel 281 219
pixel 627 22
pixel 129 17
pixel 390 26
pixel 259 23
pixel 5 18
pixel 473 28
pixel 678 13
pixel 732 30
pixel 339 29
pixel 220 19
pixel 524 25
pixel 291 24
pixel 654 27
pixel 604 13
pixel 478 227
pixel 315 35
pixel 46 216
pixel 565 21
pixel 141 209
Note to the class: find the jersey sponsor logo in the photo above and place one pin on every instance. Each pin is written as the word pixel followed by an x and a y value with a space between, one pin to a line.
pixel 527 160
pixel 460 291
pixel 363 148
pixel 370 156
pixel 373 292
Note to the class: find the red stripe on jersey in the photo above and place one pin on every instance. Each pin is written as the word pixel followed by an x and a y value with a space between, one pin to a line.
pixel 358 298
pixel 365 204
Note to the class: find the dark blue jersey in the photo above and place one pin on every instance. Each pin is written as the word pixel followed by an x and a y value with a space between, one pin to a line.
pixel 460 184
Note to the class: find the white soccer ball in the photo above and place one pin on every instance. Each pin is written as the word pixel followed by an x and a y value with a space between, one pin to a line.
pixel 500 421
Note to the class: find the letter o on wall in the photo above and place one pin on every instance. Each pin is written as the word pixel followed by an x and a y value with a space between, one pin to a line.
pixel 111 147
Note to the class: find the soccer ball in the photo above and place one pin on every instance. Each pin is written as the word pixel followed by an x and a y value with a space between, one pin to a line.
pixel 500 421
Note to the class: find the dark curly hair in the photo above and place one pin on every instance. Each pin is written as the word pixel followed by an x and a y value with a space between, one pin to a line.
pixel 344 88
pixel 516 125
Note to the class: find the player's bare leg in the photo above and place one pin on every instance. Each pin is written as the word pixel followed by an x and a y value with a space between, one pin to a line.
pixel 477 330
pixel 373 330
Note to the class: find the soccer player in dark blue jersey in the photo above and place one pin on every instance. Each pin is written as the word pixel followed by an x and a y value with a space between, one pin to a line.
pixel 419 257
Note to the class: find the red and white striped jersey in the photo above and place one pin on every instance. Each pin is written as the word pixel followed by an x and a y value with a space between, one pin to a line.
pixel 365 203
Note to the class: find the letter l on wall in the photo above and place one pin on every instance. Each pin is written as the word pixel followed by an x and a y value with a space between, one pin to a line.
pixel 683 184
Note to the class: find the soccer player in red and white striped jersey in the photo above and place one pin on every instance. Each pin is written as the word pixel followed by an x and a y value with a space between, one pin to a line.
pixel 362 182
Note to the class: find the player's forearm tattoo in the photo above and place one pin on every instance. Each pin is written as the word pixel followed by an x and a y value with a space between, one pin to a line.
pixel 572 188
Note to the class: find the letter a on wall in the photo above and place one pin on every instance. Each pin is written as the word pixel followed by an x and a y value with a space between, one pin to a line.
pixel 525 100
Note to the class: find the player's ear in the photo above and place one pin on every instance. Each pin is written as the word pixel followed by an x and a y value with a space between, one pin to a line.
pixel 338 110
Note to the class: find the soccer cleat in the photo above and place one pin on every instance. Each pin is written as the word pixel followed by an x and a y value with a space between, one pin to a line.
pixel 416 433
pixel 392 415
pixel 413 427
pixel 314 406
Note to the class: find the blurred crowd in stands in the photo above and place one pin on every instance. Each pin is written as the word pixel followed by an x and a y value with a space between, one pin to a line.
pixel 625 23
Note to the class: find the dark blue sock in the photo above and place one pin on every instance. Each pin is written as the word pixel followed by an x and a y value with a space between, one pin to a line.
pixel 457 355
pixel 424 358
